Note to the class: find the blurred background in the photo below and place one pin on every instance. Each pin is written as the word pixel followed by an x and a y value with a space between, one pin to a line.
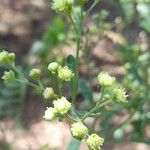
pixel 115 38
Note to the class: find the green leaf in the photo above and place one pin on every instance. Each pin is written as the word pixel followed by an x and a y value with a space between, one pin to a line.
pixel 145 24
pixel 73 145
pixel 86 90
pixel 71 63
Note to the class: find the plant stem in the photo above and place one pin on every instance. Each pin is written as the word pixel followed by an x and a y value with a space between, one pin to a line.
pixel 41 85
pixel 98 106
pixel 90 9
pixel 78 39
pixel 70 118
pixel 59 87
pixel 73 23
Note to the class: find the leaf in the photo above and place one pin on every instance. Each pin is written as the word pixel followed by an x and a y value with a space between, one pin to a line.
pixel 73 145
pixel 145 23
pixel 71 63
pixel 86 90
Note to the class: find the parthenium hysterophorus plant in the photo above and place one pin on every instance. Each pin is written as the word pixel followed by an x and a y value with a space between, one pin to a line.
pixel 62 108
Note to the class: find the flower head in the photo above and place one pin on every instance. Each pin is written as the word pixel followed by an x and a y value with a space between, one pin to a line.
pixel 52 67
pixel 62 105
pixel 6 57
pixel 94 142
pixel 49 114
pixel 119 95
pixel 105 80
pixel 79 130
pixel 65 74
pixel 48 93
pixel 9 76
pixel 62 5
pixel 35 73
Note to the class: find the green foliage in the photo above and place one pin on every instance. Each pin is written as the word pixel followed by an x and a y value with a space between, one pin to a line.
pixel 73 145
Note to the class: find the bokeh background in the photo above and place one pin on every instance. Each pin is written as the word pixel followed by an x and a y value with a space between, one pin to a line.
pixel 116 38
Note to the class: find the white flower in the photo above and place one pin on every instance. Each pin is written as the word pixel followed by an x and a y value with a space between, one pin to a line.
pixel 62 105
pixel 94 142
pixel 49 114
pixel 79 130
pixel 65 74
pixel 105 80
pixel 52 67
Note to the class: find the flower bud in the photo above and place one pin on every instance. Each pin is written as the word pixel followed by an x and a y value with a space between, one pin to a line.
pixel 35 73
pixel 49 114
pixel 49 93
pixel 62 5
pixel 65 74
pixel 6 57
pixel 52 67
pixel 62 105
pixel 11 56
pixel 105 80
pixel 79 130
pixel 119 95
pixel 94 142
pixel 9 77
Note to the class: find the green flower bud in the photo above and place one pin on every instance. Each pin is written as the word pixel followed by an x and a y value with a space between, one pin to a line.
pixel 52 67
pixel 119 95
pixel 49 114
pixel 62 5
pixel 6 57
pixel 35 73
pixel 62 106
pixel 49 93
pixel 79 130
pixel 105 80
pixel 9 77
pixel 11 56
pixel 94 142
pixel 65 74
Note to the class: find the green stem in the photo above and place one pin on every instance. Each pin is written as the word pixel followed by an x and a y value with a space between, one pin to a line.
pixel 24 79
pixel 41 85
pixel 70 118
pixel 98 106
pixel 93 5
pixel 78 39
pixel 73 23
pixel 59 88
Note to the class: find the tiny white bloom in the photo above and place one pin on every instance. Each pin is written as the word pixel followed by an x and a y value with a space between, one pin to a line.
pixel 49 114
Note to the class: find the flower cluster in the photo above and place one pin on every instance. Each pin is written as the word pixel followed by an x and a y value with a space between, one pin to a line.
pixel 49 93
pixel 61 108
pixel 62 5
pixel 80 132
pixel 9 77
pixel 6 57
pixel 111 90
pixel 63 73
pixel 94 142
pixel 35 73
